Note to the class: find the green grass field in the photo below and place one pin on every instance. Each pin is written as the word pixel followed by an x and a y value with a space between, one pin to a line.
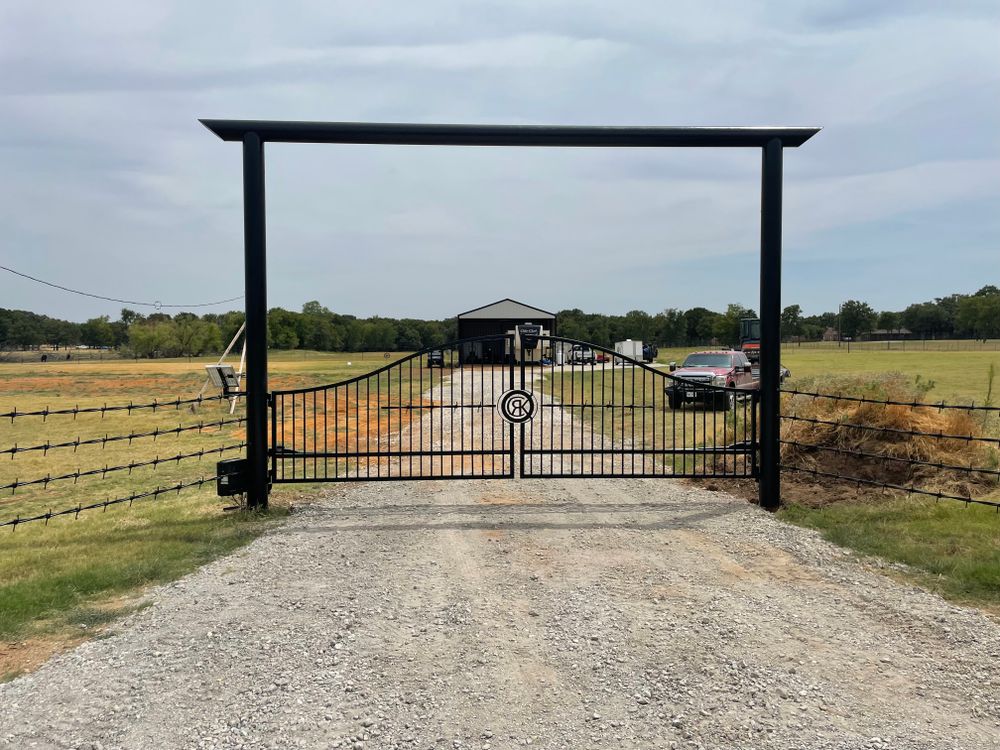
pixel 959 377
pixel 62 579
pixel 948 548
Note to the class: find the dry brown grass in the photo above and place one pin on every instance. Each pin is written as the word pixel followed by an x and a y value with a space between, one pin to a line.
pixel 897 387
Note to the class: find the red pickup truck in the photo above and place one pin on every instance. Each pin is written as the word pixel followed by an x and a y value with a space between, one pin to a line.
pixel 730 369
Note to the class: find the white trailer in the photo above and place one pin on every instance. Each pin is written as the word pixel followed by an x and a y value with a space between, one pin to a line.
pixel 629 348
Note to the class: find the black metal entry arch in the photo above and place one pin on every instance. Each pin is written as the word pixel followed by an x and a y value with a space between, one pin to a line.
pixel 255 133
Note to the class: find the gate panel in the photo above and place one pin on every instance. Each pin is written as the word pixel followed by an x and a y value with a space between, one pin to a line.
pixel 600 414
pixel 430 415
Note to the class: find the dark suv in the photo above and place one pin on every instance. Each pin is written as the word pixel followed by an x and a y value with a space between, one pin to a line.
pixel 435 358
pixel 729 369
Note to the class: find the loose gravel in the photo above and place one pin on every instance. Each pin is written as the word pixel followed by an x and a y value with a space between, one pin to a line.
pixel 507 614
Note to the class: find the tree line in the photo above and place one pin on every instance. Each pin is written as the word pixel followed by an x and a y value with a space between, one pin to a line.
pixel 972 316
pixel 318 328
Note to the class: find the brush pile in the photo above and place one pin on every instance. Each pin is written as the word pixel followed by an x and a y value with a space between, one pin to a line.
pixel 878 442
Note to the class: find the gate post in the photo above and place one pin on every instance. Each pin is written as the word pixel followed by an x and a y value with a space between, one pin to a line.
pixel 769 487
pixel 255 281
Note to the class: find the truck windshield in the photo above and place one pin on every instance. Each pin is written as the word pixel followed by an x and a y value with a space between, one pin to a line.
pixel 708 360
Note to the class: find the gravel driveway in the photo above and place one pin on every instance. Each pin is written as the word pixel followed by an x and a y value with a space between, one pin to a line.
pixel 555 614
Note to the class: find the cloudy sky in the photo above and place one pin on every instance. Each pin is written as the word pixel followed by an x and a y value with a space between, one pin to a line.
pixel 109 184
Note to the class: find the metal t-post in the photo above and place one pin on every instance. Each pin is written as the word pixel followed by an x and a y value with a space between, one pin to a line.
pixel 769 487
pixel 255 269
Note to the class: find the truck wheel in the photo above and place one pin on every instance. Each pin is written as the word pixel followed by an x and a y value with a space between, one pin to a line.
pixel 673 402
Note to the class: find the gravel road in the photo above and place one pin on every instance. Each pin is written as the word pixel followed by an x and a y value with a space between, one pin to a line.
pixel 553 614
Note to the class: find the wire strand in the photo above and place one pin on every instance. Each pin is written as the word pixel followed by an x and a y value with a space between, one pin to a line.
pixel 157 305
pixel 130 467
pixel 890 486
pixel 105 504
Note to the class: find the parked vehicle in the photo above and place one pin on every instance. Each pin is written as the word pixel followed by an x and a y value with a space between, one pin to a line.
pixel 730 369
pixel 581 355
pixel 435 358
pixel 649 352
pixel 629 348
pixel 783 372
pixel 750 338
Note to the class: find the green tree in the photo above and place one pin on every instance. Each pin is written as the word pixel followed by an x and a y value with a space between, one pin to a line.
pixel 856 317
pixel 432 333
pixel 151 338
pixel 791 321
pixel 927 318
pixel 638 325
pixel 670 328
pixel 128 317
pixel 979 315
pixel 97 332
pixel 890 321
pixel 381 335
pixel 281 329
pixel 726 327
pixel 409 338
pixel 700 323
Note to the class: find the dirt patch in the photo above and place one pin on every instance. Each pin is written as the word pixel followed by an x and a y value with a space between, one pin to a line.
pixel 24 656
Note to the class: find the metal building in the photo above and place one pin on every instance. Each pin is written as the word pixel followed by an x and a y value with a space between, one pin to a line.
pixel 498 318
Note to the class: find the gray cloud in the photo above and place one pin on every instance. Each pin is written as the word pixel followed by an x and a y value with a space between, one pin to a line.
pixel 108 183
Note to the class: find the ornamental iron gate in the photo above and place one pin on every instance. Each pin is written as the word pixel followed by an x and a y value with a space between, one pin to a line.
pixel 488 407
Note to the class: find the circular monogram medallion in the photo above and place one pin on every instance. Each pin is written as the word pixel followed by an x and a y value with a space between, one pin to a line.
pixel 516 407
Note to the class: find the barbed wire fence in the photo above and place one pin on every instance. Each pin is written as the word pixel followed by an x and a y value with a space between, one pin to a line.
pixel 985 478
pixel 34 482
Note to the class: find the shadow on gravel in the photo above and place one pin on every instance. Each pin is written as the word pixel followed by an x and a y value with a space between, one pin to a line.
pixel 446 517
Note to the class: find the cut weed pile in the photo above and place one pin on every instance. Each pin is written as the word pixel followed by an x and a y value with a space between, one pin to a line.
pixel 802 489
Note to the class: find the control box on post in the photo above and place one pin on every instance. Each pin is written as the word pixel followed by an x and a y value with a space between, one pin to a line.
pixel 231 477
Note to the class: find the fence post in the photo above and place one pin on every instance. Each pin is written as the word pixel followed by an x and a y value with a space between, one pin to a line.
pixel 769 487
pixel 255 275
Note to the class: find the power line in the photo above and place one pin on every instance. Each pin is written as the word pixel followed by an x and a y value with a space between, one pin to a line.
pixel 157 305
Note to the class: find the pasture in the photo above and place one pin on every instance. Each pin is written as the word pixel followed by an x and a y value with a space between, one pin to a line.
pixel 958 377
pixel 60 581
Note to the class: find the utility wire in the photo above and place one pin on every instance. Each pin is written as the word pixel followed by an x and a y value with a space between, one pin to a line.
pixel 157 305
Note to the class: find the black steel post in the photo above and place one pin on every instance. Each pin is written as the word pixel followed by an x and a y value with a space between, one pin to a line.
pixel 769 487
pixel 255 274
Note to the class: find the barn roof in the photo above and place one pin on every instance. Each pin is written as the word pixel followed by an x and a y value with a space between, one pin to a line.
pixel 506 309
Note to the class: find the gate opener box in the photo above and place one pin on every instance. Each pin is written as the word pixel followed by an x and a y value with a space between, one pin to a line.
pixel 232 477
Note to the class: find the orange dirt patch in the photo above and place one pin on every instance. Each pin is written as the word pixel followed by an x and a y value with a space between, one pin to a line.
pixel 24 656
pixel 168 387
pixel 351 423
